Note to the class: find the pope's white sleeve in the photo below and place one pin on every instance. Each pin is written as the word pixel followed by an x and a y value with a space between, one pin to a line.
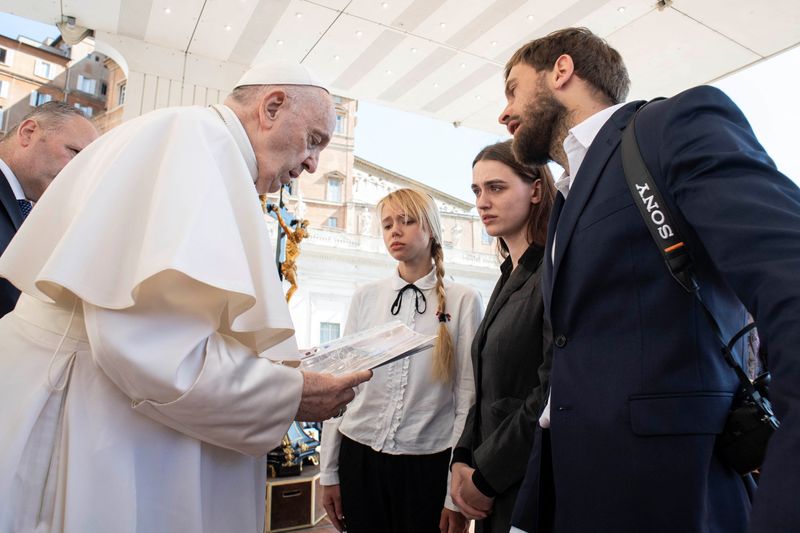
pixel 166 355
pixel 469 316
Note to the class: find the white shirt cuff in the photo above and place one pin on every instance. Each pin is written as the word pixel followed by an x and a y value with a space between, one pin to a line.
pixel 544 420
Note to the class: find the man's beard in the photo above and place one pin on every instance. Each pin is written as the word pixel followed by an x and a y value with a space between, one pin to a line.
pixel 542 122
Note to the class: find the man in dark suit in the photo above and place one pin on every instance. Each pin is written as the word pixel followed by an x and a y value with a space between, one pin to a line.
pixel 639 388
pixel 31 154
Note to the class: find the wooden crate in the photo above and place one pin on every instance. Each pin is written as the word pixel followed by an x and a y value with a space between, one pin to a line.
pixel 294 502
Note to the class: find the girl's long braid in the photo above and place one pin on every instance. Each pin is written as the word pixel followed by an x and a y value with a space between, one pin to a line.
pixel 443 348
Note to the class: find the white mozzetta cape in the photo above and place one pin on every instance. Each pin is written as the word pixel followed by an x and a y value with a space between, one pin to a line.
pixel 130 384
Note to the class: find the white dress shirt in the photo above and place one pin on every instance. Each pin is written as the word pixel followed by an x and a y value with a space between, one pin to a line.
pixel 576 144
pixel 12 180
pixel 403 410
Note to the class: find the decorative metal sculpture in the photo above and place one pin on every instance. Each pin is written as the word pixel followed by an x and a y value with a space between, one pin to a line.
pixel 280 241
pixel 287 248
pixel 293 238
pixel 296 449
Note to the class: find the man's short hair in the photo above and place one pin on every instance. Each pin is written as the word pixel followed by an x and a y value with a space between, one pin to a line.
pixel 49 115
pixel 595 61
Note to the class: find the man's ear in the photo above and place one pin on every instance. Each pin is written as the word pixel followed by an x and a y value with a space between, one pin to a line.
pixel 272 103
pixel 26 131
pixel 536 193
pixel 562 72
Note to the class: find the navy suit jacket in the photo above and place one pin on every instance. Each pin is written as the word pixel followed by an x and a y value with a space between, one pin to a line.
pixel 639 387
pixel 10 221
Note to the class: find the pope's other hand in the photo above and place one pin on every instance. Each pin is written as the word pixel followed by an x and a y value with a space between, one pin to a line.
pixel 326 395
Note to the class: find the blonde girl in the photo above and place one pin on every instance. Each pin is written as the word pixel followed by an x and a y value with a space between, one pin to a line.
pixel 385 462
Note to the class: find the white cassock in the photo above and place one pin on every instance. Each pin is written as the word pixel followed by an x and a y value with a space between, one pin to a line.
pixel 132 398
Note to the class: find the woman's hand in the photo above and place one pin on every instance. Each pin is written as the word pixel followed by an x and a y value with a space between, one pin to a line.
pixel 472 502
pixel 453 522
pixel 332 501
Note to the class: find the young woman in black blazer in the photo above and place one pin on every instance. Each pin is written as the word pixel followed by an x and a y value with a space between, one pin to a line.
pixel 510 352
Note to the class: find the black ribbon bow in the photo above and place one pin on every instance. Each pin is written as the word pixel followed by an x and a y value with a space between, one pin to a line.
pixel 417 294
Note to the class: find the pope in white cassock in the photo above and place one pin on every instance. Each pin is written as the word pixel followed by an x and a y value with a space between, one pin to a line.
pixel 133 396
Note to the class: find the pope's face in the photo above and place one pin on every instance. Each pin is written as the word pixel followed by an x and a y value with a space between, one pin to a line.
pixel 298 128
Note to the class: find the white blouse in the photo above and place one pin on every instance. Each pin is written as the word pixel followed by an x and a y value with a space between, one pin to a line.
pixel 403 410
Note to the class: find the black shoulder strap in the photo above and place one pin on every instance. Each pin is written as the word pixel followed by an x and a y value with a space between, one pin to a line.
pixel 654 210
pixel 659 222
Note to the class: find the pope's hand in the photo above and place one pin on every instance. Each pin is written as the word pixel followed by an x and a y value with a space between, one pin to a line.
pixel 325 395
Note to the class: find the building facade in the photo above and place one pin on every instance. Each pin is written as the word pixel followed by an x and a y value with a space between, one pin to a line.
pixel 115 97
pixel 32 73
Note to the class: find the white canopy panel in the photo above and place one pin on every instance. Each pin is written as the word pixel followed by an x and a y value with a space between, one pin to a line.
pixel 442 58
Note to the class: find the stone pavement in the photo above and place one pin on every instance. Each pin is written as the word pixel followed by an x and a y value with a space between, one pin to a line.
pixel 323 527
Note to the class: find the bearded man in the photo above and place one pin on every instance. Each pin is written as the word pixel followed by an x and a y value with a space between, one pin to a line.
pixel 639 388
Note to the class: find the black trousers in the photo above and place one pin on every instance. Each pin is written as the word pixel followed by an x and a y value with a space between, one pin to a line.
pixel 384 493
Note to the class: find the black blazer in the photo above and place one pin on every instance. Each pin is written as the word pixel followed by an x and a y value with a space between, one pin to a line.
pixel 639 387
pixel 508 353
pixel 10 221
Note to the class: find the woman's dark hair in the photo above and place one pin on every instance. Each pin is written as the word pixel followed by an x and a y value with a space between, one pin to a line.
pixel 539 213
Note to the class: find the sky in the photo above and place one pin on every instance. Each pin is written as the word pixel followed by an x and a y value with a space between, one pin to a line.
pixel 13 26
pixel 424 149
pixel 435 153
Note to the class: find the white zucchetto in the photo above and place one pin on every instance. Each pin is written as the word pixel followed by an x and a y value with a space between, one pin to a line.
pixel 280 73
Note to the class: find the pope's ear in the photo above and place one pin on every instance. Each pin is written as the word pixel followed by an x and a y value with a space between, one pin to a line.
pixel 271 105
